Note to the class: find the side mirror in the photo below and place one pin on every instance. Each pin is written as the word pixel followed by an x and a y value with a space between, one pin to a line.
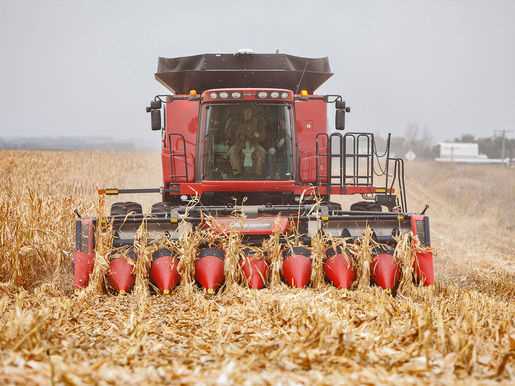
pixel 341 109
pixel 155 118
pixel 155 104
pixel 339 119
pixel 340 104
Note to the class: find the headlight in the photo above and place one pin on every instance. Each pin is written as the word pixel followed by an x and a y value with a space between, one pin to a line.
pixel 274 94
pixel 236 94
pixel 213 95
pixel 284 95
pixel 224 95
pixel 262 94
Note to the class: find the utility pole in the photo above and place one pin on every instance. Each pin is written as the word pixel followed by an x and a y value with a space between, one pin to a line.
pixel 502 133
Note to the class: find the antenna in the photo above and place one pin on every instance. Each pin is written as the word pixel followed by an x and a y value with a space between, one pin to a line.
pixel 301 77
pixel 502 134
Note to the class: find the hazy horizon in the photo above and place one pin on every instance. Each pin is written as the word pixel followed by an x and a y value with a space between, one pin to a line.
pixel 87 68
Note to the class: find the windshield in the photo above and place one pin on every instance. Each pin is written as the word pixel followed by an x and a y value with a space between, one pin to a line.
pixel 247 141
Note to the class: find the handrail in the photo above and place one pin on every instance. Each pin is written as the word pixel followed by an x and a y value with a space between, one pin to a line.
pixel 363 155
pixel 173 173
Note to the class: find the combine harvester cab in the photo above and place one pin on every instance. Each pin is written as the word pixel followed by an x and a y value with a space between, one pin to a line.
pixel 248 130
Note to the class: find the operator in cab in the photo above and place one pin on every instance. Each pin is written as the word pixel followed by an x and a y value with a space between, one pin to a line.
pixel 247 155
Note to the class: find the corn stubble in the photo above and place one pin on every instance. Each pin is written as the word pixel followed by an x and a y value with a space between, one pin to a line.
pixel 320 335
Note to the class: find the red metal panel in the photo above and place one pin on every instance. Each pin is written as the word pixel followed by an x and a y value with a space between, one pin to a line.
pixel 268 186
pixel 181 120
pixel 238 186
pixel 310 120
pixel 84 258
pixel 424 266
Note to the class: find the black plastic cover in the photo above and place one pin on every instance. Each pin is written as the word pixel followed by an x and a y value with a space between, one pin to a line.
pixel 209 71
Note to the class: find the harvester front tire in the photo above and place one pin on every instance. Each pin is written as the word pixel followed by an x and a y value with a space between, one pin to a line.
pixel 334 205
pixel 124 208
pixel 366 206
pixel 161 207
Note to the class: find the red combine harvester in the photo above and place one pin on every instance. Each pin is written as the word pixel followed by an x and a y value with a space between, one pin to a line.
pixel 248 128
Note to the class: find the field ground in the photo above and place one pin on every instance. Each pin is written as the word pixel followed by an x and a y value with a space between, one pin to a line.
pixel 460 331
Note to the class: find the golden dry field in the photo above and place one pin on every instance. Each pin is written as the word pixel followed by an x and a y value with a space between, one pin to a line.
pixel 461 331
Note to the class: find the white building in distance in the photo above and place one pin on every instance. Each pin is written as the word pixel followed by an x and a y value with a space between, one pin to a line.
pixel 464 153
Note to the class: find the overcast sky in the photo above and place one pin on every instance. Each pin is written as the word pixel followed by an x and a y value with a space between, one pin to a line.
pixel 86 67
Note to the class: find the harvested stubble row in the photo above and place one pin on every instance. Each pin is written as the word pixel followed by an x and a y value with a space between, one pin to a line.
pixel 440 334
pixel 323 336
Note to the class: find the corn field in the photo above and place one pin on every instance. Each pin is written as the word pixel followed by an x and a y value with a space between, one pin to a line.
pixel 461 330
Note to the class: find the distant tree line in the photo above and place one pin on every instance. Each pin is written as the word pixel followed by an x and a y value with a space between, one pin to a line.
pixel 415 139
pixel 420 141
pixel 493 147
pixel 65 143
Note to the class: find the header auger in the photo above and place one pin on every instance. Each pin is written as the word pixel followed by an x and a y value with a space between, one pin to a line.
pixel 247 149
